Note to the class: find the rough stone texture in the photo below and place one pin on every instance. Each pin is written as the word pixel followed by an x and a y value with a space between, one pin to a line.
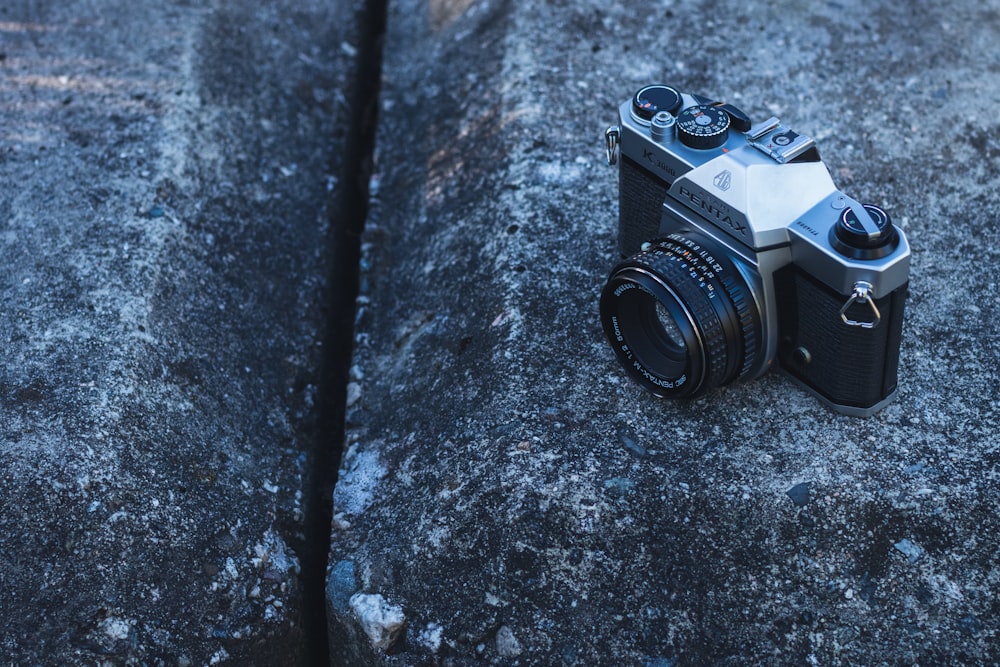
pixel 164 172
pixel 524 503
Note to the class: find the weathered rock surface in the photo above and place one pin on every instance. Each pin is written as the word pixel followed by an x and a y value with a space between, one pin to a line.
pixel 164 174
pixel 518 501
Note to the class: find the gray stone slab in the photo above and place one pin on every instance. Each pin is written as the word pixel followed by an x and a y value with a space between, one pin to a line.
pixel 507 496
pixel 164 173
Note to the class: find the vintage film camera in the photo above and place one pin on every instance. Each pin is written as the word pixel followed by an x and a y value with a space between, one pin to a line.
pixel 742 253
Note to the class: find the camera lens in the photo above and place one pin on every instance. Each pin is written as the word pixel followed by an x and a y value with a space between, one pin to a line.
pixel 681 318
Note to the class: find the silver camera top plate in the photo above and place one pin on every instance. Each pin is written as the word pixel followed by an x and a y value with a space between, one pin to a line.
pixel 764 189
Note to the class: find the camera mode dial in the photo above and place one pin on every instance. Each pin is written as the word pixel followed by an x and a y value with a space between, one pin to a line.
pixel 652 99
pixel 703 127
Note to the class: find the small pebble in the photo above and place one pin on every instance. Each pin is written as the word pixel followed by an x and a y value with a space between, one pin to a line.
pixel 799 494
pixel 910 549
pixel 629 442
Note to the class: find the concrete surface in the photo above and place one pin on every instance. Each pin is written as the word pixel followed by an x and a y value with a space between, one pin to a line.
pixel 508 497
pixel 165 170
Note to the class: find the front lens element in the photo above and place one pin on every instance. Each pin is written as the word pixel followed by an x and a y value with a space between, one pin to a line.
pixel 666 326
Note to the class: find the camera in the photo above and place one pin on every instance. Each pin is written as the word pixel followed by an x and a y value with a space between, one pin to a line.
pixel 743 255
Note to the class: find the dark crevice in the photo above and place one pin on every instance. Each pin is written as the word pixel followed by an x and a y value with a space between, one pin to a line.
pixel 347 219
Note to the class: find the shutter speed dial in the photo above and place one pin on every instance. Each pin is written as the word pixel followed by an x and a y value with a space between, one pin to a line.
pixel 703 127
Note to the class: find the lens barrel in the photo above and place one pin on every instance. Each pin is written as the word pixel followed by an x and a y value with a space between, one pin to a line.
pixel 681 318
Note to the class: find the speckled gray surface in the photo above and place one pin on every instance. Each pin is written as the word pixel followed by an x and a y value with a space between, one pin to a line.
pixel 164 172
pixel 508 497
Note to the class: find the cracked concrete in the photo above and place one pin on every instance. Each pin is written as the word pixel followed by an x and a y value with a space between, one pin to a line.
pixel 164 177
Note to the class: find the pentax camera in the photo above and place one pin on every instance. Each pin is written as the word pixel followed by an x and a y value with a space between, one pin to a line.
pixel 742 254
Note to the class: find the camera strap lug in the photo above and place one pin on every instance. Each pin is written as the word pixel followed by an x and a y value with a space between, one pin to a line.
pixel 862 294
pixel 612 140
